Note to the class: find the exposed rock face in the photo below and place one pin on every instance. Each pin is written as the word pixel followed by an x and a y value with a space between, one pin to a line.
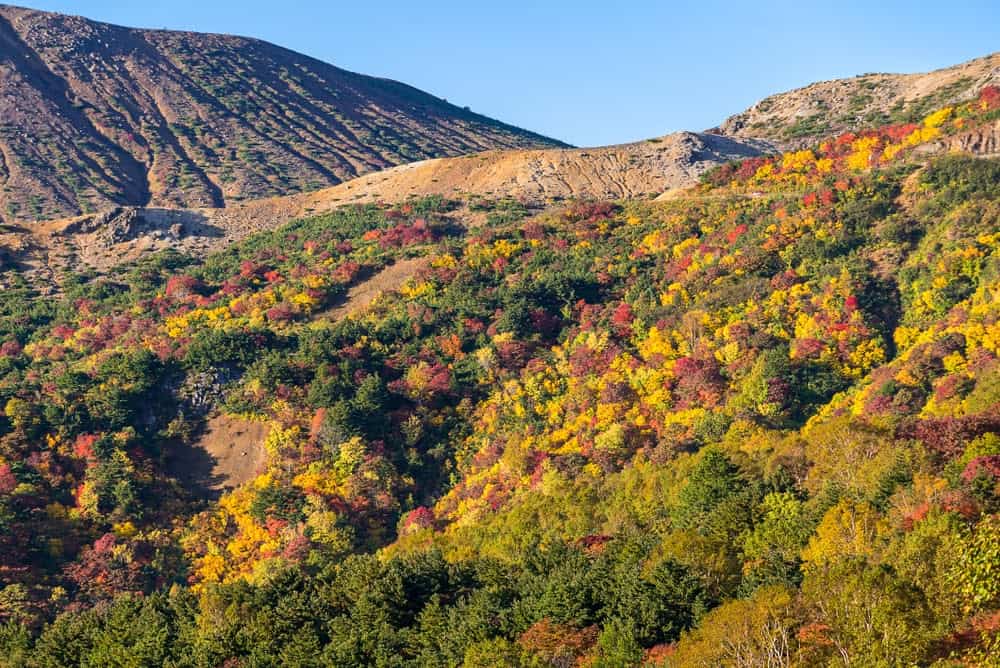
pixel 800 117
pixel 94 115
pixel 124 224
pixel 985 141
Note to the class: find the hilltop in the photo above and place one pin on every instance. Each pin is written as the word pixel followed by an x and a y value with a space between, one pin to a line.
pixel 96 115
pixel 802 116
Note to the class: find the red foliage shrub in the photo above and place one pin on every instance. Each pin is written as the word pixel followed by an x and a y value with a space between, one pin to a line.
pixel 948 436
pixel 990 96
pixel 808 348
pixel 346 271
pixel 420 517
pixel 915 516
pixel 591 212
pixel 988 465
pixel 622 318
pixel 474 325
pixel 513 354
pixel 83 447
pixel 251 270
pixel 785 279
pixel 10 349
pixel 439 380
pixel 816 634
pixel 898 133
pixel 282 312
pixel 183 286
pixel 748 168
pixel 406 235
pixel 736 233
pixel 7 480
pixel 84 306
pixel 101 571
pixel 699 382
pixel 63 332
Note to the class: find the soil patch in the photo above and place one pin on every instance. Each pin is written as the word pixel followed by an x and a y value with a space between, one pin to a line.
pixel 228 453
pixel 360 295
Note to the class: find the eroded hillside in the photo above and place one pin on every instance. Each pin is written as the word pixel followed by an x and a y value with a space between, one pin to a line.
pixel 536 178
pixel 94 115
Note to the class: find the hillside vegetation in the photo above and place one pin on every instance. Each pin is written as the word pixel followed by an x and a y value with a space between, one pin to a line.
pixel 755 424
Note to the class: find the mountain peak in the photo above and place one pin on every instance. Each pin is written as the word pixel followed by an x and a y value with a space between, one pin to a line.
pixel 96 115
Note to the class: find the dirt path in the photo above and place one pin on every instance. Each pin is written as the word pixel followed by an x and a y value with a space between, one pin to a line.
pixel 360 296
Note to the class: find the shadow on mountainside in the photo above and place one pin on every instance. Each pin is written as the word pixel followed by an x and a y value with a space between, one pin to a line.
pixel 227 452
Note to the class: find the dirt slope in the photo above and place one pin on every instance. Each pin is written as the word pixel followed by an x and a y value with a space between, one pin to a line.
pixel 228 453
pixel 93 115
pixel 361 295
pixel 801 116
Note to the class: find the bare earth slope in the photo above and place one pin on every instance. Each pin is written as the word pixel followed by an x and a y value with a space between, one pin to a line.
pixel 801 116
pixel 642 169
pixel 93 115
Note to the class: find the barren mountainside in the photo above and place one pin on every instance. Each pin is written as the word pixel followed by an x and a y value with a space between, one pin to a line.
pixel 93 115
pixel 801 116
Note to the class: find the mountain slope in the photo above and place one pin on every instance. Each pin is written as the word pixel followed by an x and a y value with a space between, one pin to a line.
pixel 755 424
pixel 801 116
pixel 95 115
pixel 534 177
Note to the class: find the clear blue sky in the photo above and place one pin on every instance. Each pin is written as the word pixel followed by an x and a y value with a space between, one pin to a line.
pixel 592 73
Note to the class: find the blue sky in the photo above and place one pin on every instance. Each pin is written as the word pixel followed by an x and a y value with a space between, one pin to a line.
pixel 592 73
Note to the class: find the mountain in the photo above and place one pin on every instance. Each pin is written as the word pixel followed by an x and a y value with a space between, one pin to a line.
pixel 94 115
pixel 801 116
pixel 438 416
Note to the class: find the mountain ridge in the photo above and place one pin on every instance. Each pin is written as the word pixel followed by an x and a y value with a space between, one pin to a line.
pixel 800 116
pixel 97 115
